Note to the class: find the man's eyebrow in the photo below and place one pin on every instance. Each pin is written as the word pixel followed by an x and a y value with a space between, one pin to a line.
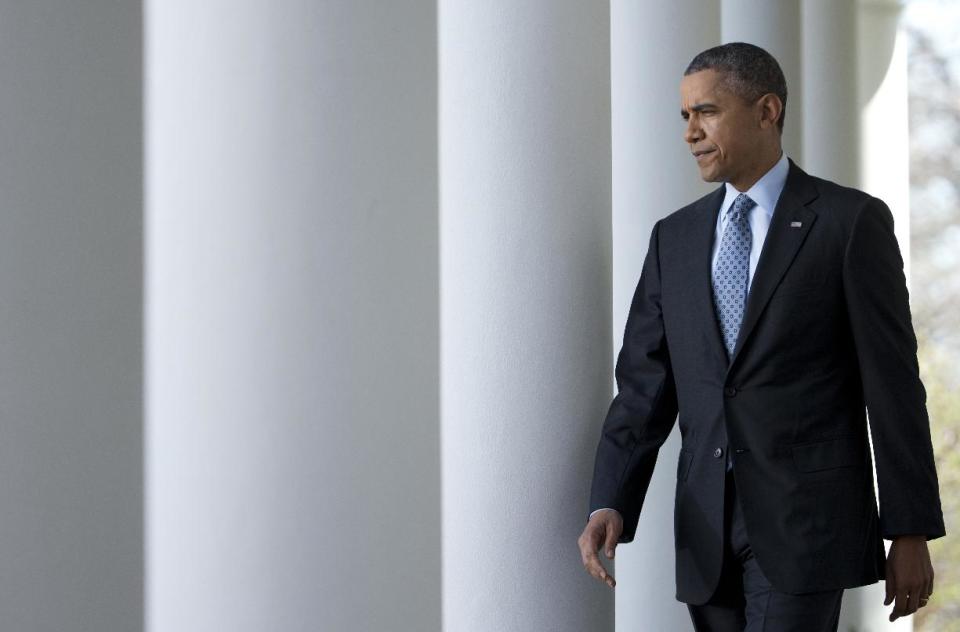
pixel 698 108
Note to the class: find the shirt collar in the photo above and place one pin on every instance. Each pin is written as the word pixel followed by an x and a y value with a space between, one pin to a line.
pixel 765 191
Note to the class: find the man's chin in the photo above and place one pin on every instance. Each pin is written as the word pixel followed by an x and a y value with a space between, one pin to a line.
pixel 710 175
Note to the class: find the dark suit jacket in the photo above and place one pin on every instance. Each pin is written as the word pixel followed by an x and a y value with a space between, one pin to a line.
pixel 826 333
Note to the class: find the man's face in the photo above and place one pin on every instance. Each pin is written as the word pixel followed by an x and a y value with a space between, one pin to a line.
pixel 723 130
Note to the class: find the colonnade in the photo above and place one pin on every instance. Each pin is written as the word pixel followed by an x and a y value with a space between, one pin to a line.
pixel 327 334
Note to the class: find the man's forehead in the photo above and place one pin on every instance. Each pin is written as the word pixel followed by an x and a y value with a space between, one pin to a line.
pixel 701 81
pixel 699 87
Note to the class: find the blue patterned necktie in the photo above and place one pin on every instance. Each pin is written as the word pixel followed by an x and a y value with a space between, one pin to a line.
pixel 731 275
pixel 732 271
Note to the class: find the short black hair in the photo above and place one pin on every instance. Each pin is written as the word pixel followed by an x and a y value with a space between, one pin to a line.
pixel 748 71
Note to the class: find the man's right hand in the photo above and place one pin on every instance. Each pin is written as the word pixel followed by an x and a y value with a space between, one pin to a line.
pixel 603 529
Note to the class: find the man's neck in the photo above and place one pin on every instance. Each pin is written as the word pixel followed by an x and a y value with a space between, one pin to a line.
pixel 743 183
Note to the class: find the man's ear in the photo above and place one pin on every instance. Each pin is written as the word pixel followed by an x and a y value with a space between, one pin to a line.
pixel 770 109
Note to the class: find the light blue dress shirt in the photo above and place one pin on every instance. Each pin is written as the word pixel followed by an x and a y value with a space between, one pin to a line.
pixel 765 192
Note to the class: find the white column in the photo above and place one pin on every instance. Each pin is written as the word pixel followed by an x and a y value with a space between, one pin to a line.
pixel 884 172
pixel 292 316
pixel 831 118
pixel 525 308
pixel 885 126
pixel 775 27
pixel 71 430
pixel 653 174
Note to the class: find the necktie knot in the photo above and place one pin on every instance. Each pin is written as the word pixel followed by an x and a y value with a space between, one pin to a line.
pixel 741 206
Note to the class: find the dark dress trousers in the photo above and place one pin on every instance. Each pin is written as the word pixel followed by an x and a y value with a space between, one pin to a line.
pixel 826 335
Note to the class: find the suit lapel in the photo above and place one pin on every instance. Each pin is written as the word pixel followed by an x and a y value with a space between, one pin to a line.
pixel 779 248
pixel 699 251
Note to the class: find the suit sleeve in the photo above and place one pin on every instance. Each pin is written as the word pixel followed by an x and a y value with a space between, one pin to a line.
pixel 643 412
pixel 886 347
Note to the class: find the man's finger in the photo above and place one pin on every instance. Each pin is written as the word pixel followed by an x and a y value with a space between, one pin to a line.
pixel 900 605
pixel 913 601
pixel 611 543
pixel 596 569
pixel 588 553
pixel 589 542
pixel 924 596
pixel 891 584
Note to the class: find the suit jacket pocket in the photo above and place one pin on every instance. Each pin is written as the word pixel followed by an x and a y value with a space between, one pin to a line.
pixel 845 451
pixel 798 287
pixel 683 463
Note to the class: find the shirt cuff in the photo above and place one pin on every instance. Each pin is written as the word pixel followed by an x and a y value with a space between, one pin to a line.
pixel 601 509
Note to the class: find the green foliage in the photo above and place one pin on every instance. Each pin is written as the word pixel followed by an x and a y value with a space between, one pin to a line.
pixel 934 93
pixel 942 613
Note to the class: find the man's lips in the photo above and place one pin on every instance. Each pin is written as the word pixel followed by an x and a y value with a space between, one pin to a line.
pixel 702 153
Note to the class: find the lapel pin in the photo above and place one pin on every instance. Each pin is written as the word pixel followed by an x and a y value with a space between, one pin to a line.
pixel 796 224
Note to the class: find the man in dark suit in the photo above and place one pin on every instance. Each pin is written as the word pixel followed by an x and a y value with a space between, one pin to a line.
pixel 770 314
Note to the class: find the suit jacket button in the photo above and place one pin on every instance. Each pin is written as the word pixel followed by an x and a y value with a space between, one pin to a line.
pixel 729 391
pixel 718 452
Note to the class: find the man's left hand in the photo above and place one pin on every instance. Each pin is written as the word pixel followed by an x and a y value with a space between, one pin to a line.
pixel 909 575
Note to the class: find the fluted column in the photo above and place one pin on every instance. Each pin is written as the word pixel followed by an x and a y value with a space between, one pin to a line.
pixel 292 316
pixel 525 308
pixel 829 112
pixel 653 174
pixel 775 27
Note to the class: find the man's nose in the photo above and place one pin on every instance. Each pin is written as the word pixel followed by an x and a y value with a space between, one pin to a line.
pixel 692 133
